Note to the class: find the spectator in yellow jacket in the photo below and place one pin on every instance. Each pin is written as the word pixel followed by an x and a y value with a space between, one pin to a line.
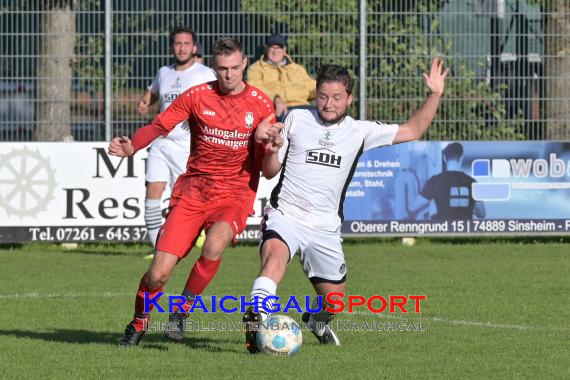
pixel 284 81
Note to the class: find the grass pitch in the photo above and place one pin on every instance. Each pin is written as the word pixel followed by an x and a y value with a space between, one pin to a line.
pixel 493 310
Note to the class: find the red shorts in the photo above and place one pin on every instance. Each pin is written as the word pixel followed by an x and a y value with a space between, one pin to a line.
pixel 186 218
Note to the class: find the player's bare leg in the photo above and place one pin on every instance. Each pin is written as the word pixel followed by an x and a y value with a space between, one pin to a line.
pixel 218 237
pixel 153 211
pixel 152 283
pixel 318 323
pixel 274 259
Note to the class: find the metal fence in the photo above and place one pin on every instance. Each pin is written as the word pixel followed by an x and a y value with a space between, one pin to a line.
pixel 510 64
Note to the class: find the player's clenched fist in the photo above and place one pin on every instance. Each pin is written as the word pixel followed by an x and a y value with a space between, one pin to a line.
pixel 121 147
pixel 142 107
pixel 274 143
pixel 266 129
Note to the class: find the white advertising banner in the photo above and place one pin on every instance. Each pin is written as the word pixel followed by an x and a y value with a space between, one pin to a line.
pixel 76 192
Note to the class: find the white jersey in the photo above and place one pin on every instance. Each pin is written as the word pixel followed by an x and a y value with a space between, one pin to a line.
pixel 318 162
pixel 168 85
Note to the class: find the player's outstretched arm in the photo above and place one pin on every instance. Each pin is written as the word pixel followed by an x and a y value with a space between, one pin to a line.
pixel 268 136
pixel 415 127
pixel 271 165
pixel 121 147
pixel 164 122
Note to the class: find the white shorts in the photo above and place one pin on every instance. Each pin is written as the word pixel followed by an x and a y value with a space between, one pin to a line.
pixel 165 162
pixel 321 251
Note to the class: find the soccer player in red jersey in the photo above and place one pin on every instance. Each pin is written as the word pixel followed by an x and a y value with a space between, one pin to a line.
pixel 230 122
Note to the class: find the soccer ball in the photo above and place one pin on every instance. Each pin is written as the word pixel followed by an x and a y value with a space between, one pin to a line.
pixel 279 335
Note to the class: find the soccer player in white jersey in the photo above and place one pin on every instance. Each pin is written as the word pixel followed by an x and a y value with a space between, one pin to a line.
pixel 168 155
pixel 317 152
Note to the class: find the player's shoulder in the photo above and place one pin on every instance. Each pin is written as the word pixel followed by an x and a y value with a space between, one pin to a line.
pixel 305 115
pixel 363 123
pixel 362 128
pixel 368 124
pixel 255 93
pixel 303 121
pixel 257 98
pixel 353 124
pixel 200 66
pixel 203 88
pixel 166 69
pixel 203 68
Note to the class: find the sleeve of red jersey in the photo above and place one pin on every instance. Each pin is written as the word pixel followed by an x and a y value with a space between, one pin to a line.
pixel 268 110
pixel 265 111
pixel 164 122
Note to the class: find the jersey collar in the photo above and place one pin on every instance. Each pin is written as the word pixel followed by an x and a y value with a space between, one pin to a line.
pixel 243 93
pixel 327 124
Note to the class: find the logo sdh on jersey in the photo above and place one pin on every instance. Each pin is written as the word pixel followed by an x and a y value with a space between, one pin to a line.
pixel 323 157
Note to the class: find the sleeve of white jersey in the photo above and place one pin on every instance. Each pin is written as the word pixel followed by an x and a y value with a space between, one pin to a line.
pixel 377 133
pixel 155 85
pixel 287 124
pixel 207 74
pixel 211 74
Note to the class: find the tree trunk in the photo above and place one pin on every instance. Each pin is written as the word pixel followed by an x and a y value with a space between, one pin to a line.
pixel 558 69
pixel 54 71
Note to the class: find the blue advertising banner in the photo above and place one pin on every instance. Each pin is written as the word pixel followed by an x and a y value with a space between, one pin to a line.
pixel 435 188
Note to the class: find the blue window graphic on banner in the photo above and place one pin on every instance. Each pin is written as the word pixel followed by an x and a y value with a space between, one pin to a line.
pixel 459 197
pixel 483 168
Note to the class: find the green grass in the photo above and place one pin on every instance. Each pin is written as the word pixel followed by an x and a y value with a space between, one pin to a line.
pixel 497 310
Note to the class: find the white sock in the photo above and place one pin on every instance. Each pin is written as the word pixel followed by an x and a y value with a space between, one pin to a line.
pixel 152 218
pixel 262 288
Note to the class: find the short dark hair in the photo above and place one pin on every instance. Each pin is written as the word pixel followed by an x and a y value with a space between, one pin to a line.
pixel 226 46
pixel 335 73
pixel 181 29
pixel 453 151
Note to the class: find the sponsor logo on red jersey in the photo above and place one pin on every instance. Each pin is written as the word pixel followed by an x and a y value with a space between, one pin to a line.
pixel 233 139
pixel 249 119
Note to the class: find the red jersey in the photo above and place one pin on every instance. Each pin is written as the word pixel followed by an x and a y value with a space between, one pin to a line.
pixel 221 164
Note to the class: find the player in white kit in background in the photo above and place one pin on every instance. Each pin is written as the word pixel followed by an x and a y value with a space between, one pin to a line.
pixel 317 152
pixel 168 155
